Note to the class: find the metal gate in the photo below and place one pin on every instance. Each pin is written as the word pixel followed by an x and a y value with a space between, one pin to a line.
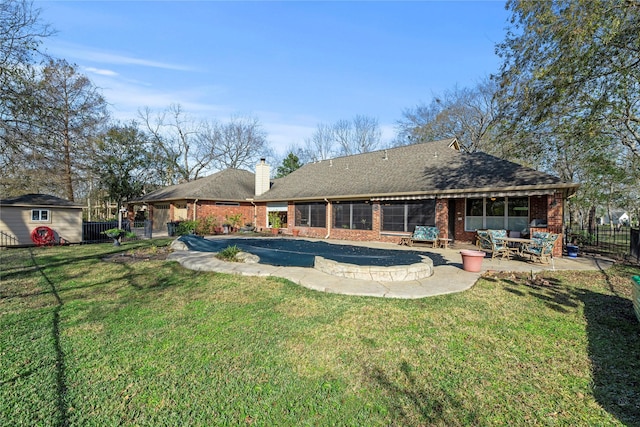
pixel 634 246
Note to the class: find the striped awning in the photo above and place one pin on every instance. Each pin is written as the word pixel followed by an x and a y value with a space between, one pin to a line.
pixel 470 195
pixel 481 194
pixel 398 198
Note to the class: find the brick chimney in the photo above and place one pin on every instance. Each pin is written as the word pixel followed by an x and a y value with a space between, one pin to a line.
pixel 263 171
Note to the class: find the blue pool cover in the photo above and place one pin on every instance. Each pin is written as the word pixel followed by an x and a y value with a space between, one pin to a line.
pixel 300 253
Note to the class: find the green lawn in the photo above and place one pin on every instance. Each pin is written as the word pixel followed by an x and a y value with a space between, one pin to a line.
pixel 89 342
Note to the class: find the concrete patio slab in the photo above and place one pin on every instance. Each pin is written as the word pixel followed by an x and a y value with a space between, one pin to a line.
pixel 448 276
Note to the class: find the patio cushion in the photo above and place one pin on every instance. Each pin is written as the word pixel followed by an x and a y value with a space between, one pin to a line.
pixel 499 233
pixel 497 237
pixel 484 240
pixel 423 232
pixel 540 235
pixel 537 243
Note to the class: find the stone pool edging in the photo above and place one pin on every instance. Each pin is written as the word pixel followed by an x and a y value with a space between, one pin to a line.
pixel 396 273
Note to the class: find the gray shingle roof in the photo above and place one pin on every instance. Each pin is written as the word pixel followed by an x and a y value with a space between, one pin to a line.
pixel 38 200
pixel 430 168
pixel 227 185
pixel 425 168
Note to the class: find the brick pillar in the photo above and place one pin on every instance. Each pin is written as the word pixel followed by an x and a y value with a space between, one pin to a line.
pixel 376 217
pixel 555 210
pixel 291 217
pixel 442 217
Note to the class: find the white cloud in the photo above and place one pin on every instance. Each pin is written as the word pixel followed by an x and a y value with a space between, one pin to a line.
pixel 87 53
pixel 283 135
pixel 100 71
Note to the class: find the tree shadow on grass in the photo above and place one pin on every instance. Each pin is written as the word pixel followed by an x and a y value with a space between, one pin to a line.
pixel 614 350
pixel 57 289
pixel 613 335
pixel 549 290
pixel 409 403
pixel 62 418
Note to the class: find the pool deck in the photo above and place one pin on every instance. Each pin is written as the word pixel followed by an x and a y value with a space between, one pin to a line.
pixel 449 277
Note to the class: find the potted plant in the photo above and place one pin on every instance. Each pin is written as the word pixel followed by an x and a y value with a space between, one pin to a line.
pixel 234 221
pixel 276 223
pixel 117 233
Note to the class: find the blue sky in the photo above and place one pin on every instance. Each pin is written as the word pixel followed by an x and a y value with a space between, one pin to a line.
pixel 292 65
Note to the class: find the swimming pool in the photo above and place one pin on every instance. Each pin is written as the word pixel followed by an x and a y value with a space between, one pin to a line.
pixel 285 252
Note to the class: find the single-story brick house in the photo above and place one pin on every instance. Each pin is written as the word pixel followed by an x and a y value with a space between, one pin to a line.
pixel 380 195
pixel 19 216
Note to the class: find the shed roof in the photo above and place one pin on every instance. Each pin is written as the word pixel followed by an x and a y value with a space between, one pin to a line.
pixel 39 200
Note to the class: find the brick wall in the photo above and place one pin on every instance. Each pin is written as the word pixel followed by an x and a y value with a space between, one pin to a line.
pixel 460 234
pixel 261 217
pixel 205 209
pixel 546 207
pixel 555 213
pixel 538 207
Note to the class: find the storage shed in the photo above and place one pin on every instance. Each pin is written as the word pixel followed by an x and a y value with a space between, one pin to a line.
pixel 20 216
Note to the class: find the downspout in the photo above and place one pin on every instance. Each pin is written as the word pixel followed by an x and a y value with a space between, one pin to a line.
pixel 329 222
pixel 195 206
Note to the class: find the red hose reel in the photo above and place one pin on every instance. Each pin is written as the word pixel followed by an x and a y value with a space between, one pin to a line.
pixel 42 236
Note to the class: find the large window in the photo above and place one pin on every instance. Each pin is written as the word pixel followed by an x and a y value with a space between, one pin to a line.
pixel 518 213
pixel 510 213
pixel 40 215
pixel 311 215
pixel 355 216
pixel 494 213
pixel 404 216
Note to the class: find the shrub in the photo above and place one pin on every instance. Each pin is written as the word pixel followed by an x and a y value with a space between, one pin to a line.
pixel 116 233
pixel 274 220
pixel 229 253
pixel 234 220
pixel 186 227
pixel 206 226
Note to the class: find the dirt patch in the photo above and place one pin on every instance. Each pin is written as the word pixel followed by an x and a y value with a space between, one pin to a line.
pixel 139 255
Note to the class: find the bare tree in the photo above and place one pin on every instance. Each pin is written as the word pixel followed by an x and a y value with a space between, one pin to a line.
pixel 61 113
pixel 239 143
pixel 72 112
pixel 21 33
pixel 181 142
pixel 469 114
pixel 360 135
pixel 321 144
pixel 366 134
pixel 343 138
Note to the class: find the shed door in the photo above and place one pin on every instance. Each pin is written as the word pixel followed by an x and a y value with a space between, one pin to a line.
pixel 160 217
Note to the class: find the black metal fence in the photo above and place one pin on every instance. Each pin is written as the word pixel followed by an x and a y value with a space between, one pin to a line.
pixel 635 244
pixel 93 232
pixel 618 242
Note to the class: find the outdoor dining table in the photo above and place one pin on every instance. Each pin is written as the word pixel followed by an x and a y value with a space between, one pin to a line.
pixel 515 244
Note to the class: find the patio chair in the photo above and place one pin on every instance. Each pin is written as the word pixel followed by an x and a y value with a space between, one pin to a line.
pixel 541 247
pixel 483 241
pixel 499 246
pixel 426 234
